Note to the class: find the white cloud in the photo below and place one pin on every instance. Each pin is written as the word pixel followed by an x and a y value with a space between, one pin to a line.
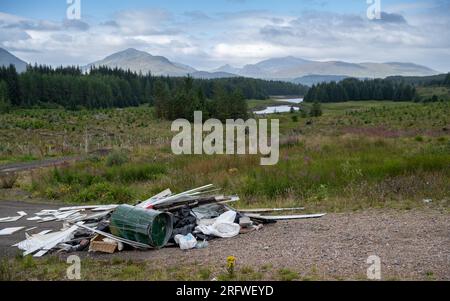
pixel 206 41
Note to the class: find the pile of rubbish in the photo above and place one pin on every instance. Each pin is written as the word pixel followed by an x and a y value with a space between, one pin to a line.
pixel 189 219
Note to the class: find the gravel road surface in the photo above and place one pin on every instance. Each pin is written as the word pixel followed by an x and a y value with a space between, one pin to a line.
pixel 411 244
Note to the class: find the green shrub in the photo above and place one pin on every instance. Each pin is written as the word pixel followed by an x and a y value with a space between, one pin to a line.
pixel 6 270
pixel 94 158
pixel 72 176
pixel 322 192
pixel 316 110
pixel 135 173
pixel 104 193
pixel 116 158
pixel 204 274
pixel 8 180
pixel 51 193
pixel 287 275
pixel 28 262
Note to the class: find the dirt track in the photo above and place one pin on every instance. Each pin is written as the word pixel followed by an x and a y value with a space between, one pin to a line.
pixel 411 244
pixel 24 166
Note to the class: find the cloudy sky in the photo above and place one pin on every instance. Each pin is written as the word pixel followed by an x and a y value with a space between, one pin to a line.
pixel 208 33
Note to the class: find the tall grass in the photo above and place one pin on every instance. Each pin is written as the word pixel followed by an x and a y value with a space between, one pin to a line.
pixel 135 173
pixel 103 193
pixel 95 182
pixel 335 165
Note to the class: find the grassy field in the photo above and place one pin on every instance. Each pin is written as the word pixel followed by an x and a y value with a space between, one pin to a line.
pixel 53 268
pixel 27 135
pixel 357 155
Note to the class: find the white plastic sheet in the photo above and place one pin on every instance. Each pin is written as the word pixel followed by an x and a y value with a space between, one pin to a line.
pixel 223 227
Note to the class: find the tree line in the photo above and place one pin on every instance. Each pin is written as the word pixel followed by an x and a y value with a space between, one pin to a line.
pixel 447 80
pixel 438 80
pixel 352 89
pixel 223 103
pixel 103 87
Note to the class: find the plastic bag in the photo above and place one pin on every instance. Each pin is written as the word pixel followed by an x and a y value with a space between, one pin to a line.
pixel 186 242
pixel 202 244
pixel 227 217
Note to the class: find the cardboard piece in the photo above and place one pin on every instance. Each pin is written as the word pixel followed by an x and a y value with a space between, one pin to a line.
pixel 98 244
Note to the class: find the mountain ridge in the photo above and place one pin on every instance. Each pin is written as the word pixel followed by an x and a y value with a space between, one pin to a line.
pixel 291 68
pixel 287 68
pixel 141 61
pixel 7 58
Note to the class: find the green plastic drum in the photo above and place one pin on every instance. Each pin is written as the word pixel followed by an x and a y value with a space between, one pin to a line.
pixel 150 227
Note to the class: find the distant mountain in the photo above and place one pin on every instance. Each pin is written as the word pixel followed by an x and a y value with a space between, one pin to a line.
pixel 289 68
pixel 227 69
pixel 212 75
pixel 6 59
pixel 185 67
pixel 279 68
pixel 286 68
pixel 309 80
pixel 140 61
